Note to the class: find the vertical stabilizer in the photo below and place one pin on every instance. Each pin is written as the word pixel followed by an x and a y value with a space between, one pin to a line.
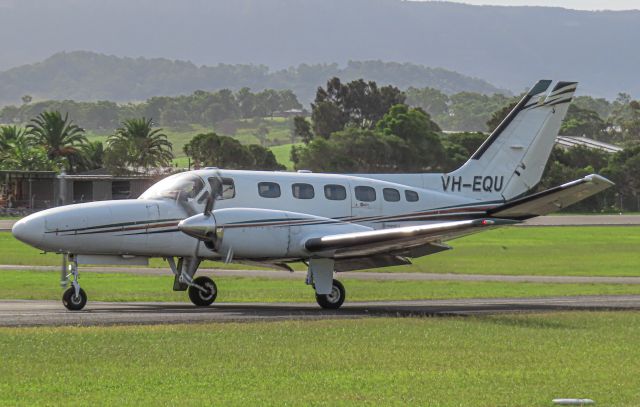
pixel 511 160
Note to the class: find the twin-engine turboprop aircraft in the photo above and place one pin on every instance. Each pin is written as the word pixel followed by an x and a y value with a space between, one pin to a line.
pixel 332 223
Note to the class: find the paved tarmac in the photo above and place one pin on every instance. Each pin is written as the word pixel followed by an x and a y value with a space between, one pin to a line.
pixel 6 225
pixel 52 313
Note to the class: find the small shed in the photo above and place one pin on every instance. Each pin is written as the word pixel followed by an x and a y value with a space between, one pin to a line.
pixel 100 185
pixel 26 191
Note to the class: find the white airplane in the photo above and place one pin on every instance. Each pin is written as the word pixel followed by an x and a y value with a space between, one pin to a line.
pixel 332 223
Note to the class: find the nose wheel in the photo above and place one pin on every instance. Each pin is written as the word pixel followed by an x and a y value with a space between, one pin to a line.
pixel 72 301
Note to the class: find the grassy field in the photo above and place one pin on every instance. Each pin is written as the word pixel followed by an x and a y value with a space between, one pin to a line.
pixel 283 155
pixel 44 285
pixel 504 360
pixel 279 134
pixel 589 251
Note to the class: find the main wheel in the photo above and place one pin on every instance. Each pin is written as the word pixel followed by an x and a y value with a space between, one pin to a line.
pixel 203 298
pixel 333 300
pixel 72 301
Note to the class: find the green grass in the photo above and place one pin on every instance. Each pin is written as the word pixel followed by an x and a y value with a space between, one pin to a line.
pixel 589 251
pixel 44 285
pixel 283 154
pixel 502 360
pixel 565 250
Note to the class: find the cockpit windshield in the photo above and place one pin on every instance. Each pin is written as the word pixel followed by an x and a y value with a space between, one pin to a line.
pixel 178 187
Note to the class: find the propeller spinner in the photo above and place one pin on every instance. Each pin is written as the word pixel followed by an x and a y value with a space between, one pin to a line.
pixel 203 226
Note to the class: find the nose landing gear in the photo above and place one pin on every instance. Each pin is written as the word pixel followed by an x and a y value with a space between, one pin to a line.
pixel 74 297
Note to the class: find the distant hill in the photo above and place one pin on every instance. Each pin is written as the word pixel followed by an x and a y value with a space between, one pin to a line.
pixel 87 76
pixel 511 47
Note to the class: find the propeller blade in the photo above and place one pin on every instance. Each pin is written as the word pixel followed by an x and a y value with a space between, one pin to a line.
pixel 208 207
pixel 217 186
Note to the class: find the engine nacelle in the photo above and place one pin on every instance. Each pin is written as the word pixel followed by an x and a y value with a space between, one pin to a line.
pixel 265 233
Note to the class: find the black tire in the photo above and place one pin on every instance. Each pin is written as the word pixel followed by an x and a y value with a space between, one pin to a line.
pixel 333 300
pixel 73 302
pixel 202 299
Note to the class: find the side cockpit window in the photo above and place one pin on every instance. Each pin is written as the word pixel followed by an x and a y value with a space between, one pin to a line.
pixel 269 190
pixel 223 188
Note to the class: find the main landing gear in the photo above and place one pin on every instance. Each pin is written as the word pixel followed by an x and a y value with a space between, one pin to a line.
pixel 330 293
pixel 202 290
pixel 333 300
pixel 74 297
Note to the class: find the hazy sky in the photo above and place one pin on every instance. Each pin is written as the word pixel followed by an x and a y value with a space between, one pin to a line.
pixel 573 4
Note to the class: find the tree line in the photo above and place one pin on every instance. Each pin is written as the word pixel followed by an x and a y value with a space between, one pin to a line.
pixel 203 108
pixel 85 76
pixel 616 121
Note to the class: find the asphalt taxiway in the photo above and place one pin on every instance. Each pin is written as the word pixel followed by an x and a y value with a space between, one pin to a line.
pixel 15 313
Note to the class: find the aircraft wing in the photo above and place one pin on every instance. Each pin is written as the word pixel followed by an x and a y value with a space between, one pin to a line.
pixel 410 241
pixel 553 199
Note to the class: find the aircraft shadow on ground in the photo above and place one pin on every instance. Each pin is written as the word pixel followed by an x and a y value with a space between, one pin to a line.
pixel 400 311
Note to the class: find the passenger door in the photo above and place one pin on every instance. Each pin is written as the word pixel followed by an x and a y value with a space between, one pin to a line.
pixel 366 204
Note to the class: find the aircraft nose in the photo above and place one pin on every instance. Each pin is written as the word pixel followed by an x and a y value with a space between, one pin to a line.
pixel 29 230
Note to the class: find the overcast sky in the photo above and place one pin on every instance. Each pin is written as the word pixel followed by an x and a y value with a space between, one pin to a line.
pixel 573 4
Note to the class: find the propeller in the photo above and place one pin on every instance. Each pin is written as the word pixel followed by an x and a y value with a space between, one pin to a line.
pixel 204 227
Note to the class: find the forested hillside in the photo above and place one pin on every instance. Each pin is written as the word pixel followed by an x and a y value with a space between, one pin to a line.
pixel 87 76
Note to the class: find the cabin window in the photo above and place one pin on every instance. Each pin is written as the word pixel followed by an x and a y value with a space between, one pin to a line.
pixel 227 191
pixel 365 194
pixel 303 191
pixel 269 189
pixel 412 196
pixel 391 194
pixel 335 192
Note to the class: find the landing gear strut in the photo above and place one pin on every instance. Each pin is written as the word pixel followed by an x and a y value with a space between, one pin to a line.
pixel 74 297
pixel 330 293
pixel 202 290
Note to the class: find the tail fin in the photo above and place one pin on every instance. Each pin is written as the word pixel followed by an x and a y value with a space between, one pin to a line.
pixel 511 160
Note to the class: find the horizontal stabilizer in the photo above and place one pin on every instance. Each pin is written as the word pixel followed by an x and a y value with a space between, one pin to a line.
pixel 553 199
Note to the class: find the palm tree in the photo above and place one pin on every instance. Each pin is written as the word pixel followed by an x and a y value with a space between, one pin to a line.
pixel 59 136
pixel 21 154
pixel 144 146
pixel 8 134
